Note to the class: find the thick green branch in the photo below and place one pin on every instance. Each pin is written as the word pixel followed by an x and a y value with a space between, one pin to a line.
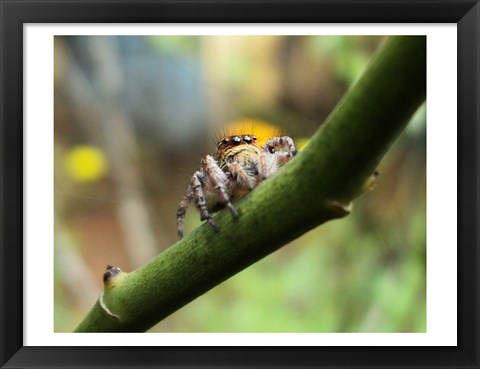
pixel 330 170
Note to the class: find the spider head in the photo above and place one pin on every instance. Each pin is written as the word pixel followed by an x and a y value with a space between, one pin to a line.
pixel 236 140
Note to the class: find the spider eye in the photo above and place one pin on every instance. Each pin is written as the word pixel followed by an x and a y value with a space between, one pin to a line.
pixel 254 138
pixel 236 140
pixel 225 141
pixel 247 139
pixel 271 149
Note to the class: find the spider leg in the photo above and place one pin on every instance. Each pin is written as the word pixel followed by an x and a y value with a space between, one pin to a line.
pixel 242 175
pixel 263 168
pixel 182 210
pixel 200 199
pixel 218 180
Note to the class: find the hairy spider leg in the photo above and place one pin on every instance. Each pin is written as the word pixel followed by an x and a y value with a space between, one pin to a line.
pixel 263 169
pixel 200 199
pixel 246 179
pixel 218 180
pixel 182 210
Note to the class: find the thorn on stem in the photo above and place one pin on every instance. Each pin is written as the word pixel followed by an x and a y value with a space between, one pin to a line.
pixel 340 209
pixel 110 273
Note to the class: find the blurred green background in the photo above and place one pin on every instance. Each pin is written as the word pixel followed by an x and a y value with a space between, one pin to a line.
pixel 134 116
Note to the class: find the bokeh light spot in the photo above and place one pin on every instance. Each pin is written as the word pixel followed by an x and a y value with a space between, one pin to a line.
pixel 85 163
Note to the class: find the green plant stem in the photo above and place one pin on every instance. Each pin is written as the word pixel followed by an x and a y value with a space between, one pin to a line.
pixel 308 191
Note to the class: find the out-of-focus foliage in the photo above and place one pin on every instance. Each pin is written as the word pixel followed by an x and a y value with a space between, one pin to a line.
pixel 133 118
pixel 350 55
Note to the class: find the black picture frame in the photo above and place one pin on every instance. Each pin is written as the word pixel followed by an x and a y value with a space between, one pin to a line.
pixel 15 13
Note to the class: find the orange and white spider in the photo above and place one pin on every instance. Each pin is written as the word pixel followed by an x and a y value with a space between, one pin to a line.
pixel 238 166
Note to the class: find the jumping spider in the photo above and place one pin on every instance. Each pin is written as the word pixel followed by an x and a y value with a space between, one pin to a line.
pixel 238 167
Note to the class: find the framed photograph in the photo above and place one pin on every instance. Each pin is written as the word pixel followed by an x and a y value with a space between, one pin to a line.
pixel 157 157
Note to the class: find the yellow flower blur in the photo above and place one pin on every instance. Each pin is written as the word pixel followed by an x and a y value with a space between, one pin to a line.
pixel 85 163
pixel 263 130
